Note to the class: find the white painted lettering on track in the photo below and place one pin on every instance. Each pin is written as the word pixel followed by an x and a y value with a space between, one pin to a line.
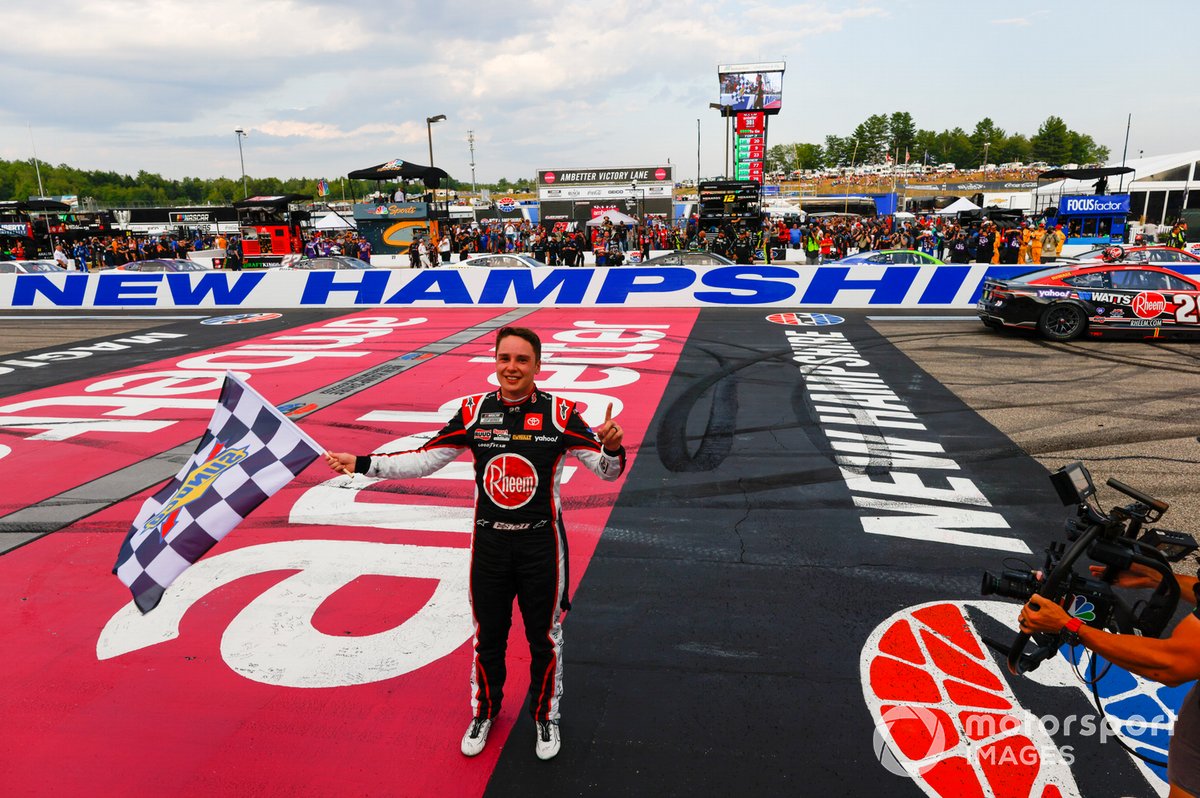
pixel 855 409
pixel 272 640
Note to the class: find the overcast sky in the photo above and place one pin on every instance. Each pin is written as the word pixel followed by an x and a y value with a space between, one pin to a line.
pixel 326 87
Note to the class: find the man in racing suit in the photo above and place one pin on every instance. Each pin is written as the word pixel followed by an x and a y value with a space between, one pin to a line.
pixel 1172 661
pixel 519 437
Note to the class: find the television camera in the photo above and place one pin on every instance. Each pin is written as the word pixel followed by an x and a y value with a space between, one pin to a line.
pixel 1116 540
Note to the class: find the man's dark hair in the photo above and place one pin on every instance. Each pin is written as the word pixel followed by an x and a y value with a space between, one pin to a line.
pixel 525 333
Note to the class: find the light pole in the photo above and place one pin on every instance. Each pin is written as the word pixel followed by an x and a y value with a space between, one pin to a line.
pixel 471 143
pixel 241 134
pixel 429 120
pixel 36 168
pixel 638 204
pixel 724 109
pixel 846 198
pixel 986 144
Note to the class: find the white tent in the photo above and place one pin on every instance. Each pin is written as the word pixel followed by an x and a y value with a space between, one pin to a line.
pixel 333 221
pixel 960 204
pixel 616 217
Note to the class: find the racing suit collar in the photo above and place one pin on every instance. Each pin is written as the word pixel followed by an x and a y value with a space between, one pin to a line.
pixel 513 402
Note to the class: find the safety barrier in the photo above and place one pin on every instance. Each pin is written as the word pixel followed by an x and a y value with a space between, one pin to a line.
pixel 779 285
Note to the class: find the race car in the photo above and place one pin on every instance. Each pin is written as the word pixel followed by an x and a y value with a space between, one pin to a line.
pixel 888 257
pixel 29 267
pixel 1120 254
pixel 1096 299
pixel 159 265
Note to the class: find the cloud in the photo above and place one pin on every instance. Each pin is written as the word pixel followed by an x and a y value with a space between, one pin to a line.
pixel 1021 22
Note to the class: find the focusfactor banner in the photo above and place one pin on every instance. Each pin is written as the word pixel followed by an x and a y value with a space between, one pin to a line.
pixel 668 286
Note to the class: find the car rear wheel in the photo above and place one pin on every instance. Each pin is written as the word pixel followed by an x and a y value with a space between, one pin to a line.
pixel 1062 322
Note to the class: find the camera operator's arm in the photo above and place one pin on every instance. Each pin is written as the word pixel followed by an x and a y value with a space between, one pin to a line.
pixel 1172 661
pixel 1142 576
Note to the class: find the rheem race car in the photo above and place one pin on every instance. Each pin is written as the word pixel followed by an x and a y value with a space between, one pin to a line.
pixel 1096 299
pixel 1137 254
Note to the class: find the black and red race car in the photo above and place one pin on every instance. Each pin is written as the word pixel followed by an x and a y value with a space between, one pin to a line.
pixel 1158 255
pixel 1095 299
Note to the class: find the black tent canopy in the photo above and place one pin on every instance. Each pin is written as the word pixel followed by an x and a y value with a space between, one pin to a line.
pixel 397 170
pixel 53 206
pixel 1095 173
pixel 279 201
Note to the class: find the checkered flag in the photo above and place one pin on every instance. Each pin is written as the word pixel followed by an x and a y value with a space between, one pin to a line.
pixel 249 451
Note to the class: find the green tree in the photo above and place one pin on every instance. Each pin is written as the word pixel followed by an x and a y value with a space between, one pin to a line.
pixel 808 156
pixel 1052 142
pixel 925 148
pixel 985 133
pixel 780 158
pixel 902 134
pixel 838 150
pixel 1014 148
pixel 872 138
pixel 1085 150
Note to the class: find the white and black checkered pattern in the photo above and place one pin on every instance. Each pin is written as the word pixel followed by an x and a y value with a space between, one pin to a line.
pixel 249 452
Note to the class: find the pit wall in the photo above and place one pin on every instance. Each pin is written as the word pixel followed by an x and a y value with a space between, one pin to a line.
pixel 760 285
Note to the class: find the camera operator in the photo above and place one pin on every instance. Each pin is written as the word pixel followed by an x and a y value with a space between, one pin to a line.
pixel 1172 661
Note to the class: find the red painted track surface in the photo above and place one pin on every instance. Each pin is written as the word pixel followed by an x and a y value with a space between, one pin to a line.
pixel 174 717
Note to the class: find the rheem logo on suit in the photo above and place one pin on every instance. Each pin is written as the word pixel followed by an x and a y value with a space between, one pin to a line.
pixel 510 481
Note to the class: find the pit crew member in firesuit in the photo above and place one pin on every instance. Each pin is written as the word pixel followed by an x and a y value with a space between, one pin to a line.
pixel 1172 661
pixel 518 436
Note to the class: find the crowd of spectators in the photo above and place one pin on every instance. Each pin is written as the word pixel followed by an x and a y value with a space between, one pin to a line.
pixel 832 238
pixel 819 239
pixel 860 181
pixel 556 244
pixel 106 252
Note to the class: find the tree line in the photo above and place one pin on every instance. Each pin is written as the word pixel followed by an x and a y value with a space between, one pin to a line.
pixel 880 136
pixel 19 181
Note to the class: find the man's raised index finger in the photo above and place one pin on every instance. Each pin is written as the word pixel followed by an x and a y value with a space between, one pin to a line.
pixel 608 413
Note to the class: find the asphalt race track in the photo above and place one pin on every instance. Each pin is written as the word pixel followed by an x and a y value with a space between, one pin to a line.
pixel 780 596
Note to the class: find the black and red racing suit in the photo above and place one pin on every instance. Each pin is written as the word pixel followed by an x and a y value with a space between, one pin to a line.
pixel 518 545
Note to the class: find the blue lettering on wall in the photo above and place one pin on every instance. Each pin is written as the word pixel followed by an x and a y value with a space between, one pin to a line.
pixel 944 284
pixel 571 284
pixel 226 288
pixel 738 280
pixel 127 288
pixel 620 283
pixel 368 288
pixel 71 294
pixel 449 286
pixel 889 288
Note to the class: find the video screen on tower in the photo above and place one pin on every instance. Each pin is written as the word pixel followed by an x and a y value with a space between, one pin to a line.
pixel 752 89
